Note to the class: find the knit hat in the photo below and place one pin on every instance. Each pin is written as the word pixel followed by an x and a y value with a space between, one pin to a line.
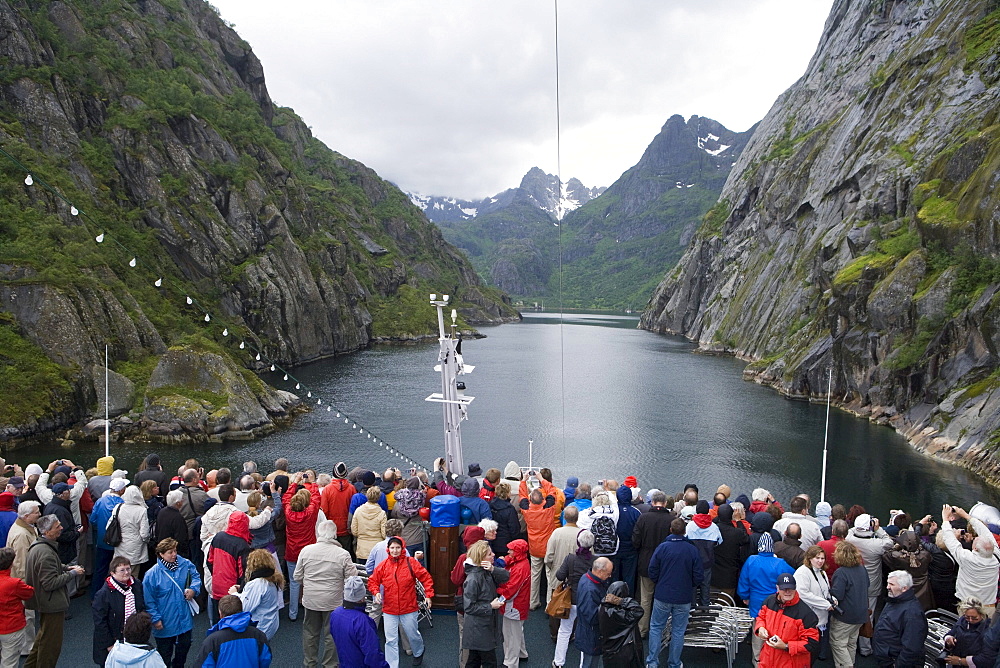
pixel 340 470
pixel 153 460
pixel 354 589
pixel 630 481
pixel 702 507
pixel 6 501
pixel 63 469
pixel 33 469
pixel 724 490
pixel 766 543
pixel 118 484
pixel 105 465
pixel 59 488
pixel 368 478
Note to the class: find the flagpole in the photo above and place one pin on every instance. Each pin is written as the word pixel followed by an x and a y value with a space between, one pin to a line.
pixel 826 436
pixel 107 421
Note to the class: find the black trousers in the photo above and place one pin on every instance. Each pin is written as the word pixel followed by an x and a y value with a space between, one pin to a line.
pixel 480 657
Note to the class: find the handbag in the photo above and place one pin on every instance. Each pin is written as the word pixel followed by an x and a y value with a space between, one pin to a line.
pixel 561 602
pixel 193 606
pixel 113 534
pixel 867 629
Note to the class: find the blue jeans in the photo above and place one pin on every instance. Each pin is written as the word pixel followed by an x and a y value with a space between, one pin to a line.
pixel 588 661
pixel 409 624
pixel 662 612
pixel 294 589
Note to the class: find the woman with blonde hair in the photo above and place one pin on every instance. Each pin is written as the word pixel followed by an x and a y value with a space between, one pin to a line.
pixel 849 591
pixel 261 595
pixel 368 523
pixel 967 637
pixel 263 537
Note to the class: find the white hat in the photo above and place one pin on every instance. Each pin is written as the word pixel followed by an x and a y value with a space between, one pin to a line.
pixel 863 521
pixel 118 484
pixel 33 469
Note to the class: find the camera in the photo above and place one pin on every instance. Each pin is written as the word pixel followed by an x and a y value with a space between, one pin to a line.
pixel 836 608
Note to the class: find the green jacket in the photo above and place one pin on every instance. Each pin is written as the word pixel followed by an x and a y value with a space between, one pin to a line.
pixel 48 576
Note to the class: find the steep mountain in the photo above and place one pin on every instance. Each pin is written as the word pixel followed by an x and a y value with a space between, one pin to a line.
pixel 511 238
pixel 616 246
pixel 152 119
pixel 859 234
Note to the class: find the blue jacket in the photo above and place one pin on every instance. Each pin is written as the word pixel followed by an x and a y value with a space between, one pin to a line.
pixel 7 519
pixel 589 594
pixel 900 632
pixel 759 579
pixel 479 509
pixel 361 499
pixel 356 637
pixel 234 643
pixel 165 602
pixel 628 515
pixel 100 515
pixel 675 569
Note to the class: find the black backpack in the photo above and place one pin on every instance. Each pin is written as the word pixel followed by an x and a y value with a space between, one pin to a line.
pixel 605 535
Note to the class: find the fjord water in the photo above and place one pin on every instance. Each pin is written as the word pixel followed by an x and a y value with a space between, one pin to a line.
pixel 600 399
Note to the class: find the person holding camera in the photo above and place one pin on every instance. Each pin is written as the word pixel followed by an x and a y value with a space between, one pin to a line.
pixel 872 541
pixel 814 589
pixel 787 625
pixel 979 567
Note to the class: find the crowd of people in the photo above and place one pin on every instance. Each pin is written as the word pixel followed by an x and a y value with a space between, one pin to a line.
pixel 342 553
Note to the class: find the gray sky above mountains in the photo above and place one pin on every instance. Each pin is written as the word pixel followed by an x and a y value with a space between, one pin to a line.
pixel 457 97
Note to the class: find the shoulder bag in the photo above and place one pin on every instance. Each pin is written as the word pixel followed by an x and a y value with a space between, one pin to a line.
pixel 562 600
pixel 113 534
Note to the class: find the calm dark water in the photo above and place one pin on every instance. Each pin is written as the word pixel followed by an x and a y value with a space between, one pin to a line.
pixel 600 399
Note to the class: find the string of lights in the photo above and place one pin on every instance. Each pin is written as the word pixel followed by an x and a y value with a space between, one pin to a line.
pixel 249 343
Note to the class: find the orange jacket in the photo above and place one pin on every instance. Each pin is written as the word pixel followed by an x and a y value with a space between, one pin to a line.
pixel 538 517
pixel 335 503
pixel 547 489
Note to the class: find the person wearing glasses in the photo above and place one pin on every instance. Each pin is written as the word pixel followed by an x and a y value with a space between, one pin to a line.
pixel 119 598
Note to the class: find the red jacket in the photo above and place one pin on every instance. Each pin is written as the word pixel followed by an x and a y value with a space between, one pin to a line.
pixel 300 525
pixel 828 547
pixel 335 503
pixel 471 535
pixel 795 623
pixel 227 556
pixel 396 575
pixel 13 591
pixel 517 589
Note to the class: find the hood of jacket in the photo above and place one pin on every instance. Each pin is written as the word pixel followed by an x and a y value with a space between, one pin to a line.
pixel 762 522
pixel 517 551
pixel 512 471
pixel 106 465
pixel 238 622
pixel 624 495
pixel 473 534
pixel 725 514
pixel 133 496
pixel 470 487
pixel 702 520
pixel 908 541
pixel 239 525
pixel 619 589
pixel 128 654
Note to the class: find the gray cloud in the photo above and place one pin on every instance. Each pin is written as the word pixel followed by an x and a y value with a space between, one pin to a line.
pixel 457 97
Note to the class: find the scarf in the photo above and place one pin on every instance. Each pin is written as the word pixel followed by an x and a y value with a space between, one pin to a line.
pixel 126 591
pixel 169 565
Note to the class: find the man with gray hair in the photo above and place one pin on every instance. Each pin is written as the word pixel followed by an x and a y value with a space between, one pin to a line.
pixel 561 543
pixel 978 568
pixel 902 627
pixel 20 537
pixel 50 578
pixel 171 524
pixel 322 568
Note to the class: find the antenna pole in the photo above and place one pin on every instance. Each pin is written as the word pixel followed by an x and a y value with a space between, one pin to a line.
pixel 107 420
pixel 826 436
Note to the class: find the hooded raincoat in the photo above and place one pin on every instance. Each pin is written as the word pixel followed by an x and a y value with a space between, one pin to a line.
pixel 621 645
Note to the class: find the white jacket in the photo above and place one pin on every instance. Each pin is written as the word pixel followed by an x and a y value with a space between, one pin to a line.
pixel 44 492
pixel 135 526
pixel 871 546
pixel 811 533
pixel 977 573
pixel 322 569
pixel 814 590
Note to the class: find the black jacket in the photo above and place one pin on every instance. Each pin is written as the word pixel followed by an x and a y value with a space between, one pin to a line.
pixel 900 632
pixel 621 646
pixel 157 475
pixel 650 530
pixel 969 639
pixel 850 587
pixel 171 524
pixel 572 569
pixel 729 555
pixel 508 526
pixel 109 617
pixel 67 539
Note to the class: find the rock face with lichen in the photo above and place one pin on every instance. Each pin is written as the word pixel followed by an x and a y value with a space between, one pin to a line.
pixel 167 187
pixel 859 231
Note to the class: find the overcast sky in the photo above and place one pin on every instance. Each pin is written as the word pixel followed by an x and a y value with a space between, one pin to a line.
pixel 457 97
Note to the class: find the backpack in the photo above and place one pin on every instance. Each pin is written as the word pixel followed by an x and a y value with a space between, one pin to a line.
pixel 605 535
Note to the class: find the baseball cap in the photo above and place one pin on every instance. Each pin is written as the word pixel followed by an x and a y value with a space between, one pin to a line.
pixel 16 481
pixel 786 581
pixel 863 521
pixel 59 488
pixel 118 484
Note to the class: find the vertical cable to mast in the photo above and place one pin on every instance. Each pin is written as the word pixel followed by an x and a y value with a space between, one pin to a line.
pixel 826 436
pixel 559 218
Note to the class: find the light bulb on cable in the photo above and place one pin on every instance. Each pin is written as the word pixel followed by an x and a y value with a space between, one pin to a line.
pixel 242 345
pixel 309 394
pixel 225 332
pixel 73 211
pixel 99 238
pixel 258 357
pixel 286 377
pixel 158 282
pixel 208 318
pixel 190 301
pixel 132 263
pixel 272 367
pixel 298 386
pixel 28 180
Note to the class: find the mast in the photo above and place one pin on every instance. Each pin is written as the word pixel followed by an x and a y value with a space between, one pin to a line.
pixel 826 436
pixel 452 396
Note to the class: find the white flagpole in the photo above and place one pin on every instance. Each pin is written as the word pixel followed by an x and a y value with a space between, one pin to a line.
pixel 107 421
pixel 826 437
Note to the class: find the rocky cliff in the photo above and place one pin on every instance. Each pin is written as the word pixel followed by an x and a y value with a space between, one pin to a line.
pixel 153 119
pixel 858 231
